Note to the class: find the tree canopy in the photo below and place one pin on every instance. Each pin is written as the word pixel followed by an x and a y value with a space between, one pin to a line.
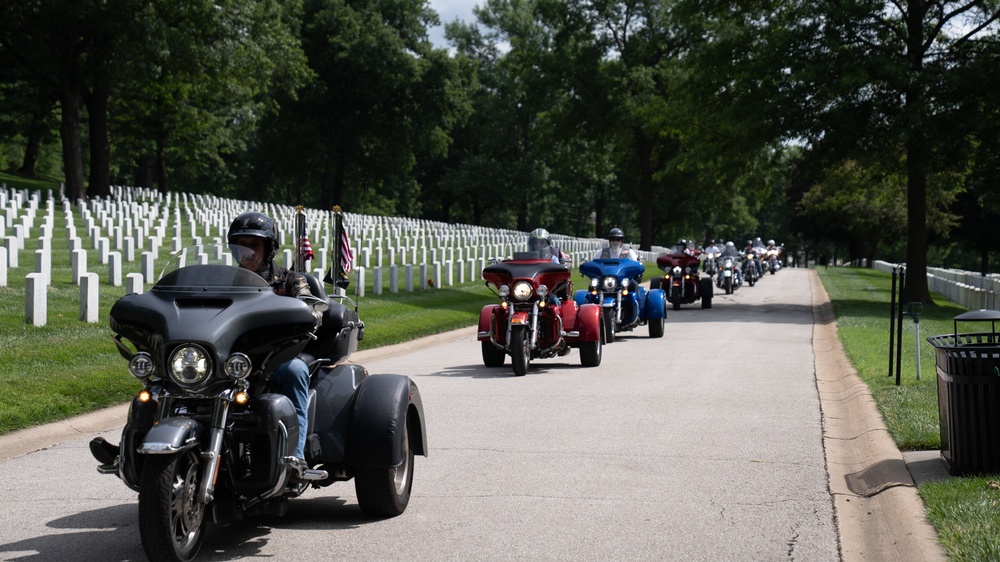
pixel 864 128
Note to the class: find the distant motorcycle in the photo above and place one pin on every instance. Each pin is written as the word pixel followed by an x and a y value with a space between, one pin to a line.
pixel 206 439
pixel 682 282
pixel 624 303
pixel 772 259
pixel 528 323
pixel 710 261
pixel 751 267
pixel 730 276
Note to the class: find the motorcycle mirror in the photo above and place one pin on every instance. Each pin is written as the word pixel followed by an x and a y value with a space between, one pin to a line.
pixel 317 304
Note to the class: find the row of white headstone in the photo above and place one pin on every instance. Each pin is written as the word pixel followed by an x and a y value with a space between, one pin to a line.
pixel 133 224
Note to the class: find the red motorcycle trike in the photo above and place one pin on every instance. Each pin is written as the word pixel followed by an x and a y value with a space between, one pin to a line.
pixel 682 282
pixel 530 322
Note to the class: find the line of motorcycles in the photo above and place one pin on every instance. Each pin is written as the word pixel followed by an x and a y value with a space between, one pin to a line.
pixel 538 316
pixel 749 266
pixel 208 440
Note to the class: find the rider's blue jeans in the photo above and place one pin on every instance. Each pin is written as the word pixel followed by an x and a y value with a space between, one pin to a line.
pixel 292 380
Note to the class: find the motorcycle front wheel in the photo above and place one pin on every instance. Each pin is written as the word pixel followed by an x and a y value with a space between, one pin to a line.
pixel 520 350
pixel 729 285
pixel 171 520
pixel 385 492
pixel 608 317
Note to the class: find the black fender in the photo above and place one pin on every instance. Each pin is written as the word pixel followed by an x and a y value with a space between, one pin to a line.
pixel 171 435
pixel 382 404
pixel 334 390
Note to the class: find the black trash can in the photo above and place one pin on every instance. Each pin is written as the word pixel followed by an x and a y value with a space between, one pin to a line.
pixel 968 384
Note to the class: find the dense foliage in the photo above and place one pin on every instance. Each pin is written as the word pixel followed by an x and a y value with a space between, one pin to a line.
pixel 860 129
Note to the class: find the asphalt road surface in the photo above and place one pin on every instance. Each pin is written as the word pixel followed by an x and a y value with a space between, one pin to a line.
pixel 705 444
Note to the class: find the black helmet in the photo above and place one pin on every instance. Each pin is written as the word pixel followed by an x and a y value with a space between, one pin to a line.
pixel 538 241
pixel 256 224
pixel 616 233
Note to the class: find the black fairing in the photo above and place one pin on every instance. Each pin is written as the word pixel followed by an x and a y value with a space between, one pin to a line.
pixel 248 318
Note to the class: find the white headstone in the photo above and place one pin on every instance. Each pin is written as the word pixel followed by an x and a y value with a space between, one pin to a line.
pixel 10 242
pixel 115 269
pixel 35 294
pixel 133 284
pixel 77 264
pixel 88 297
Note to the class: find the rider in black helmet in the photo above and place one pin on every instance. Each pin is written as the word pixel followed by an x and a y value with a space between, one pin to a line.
pixel 253 239
pixel 616 247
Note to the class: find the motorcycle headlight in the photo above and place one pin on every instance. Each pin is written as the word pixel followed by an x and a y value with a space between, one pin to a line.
pixel 728 262
pixel 141 365
pixel 609 283
pixel 238 366
pixel 189 365
pixel 522 290
pixel 594 282
pixel 542 291
pixel 504 291
pixel 625 283
pixel 677 270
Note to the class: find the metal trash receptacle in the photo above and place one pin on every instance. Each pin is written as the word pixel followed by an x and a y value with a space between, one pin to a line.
pixel 968 384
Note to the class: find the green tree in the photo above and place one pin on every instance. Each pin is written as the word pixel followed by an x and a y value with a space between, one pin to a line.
pixel 191 97
pixel 867 80
pixel 381 95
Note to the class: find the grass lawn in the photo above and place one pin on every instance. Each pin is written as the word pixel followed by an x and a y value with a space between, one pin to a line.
pixel 965 511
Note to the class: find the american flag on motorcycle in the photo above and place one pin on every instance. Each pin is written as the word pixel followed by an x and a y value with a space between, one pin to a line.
pixel 346 255
pixel 305 248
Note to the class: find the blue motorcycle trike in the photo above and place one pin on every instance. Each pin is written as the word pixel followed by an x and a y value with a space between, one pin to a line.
pixel 625 303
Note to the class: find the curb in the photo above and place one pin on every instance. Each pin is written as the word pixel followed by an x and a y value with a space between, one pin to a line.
pixel 878 512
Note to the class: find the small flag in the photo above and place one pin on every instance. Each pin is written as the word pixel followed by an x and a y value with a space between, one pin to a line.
pixel 305 248
pixel 346 256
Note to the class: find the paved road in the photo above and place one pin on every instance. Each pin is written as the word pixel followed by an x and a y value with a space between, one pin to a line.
pixel 703 445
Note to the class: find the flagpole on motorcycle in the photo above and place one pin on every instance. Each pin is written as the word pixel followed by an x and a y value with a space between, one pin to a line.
pixel 335 259
pixel 300 230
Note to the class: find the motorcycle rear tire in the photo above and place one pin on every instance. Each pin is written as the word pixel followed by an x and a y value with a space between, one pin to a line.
pixel 590 353
pixel 655 327
pixel 492 355
pixel 385 492
pixel 608 317
pixel 520 350
pixel 169 483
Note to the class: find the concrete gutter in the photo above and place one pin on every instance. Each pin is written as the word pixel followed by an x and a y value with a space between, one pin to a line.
pixel 879 514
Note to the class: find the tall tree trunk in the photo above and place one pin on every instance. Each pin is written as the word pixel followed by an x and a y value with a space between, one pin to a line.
pixel 599 230
pixel 31 150
pixel 144 171
pixel 917 153
pixel 161 163
pixel 644 150
pixel 100 151
pixel 69 132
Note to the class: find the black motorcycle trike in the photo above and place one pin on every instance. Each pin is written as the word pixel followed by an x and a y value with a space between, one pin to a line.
pixel 205 439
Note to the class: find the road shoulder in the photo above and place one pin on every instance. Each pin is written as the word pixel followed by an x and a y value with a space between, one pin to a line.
pixel 879 514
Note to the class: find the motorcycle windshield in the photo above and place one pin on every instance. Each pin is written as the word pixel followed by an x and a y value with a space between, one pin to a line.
pixel 620 268
pixel 208 268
